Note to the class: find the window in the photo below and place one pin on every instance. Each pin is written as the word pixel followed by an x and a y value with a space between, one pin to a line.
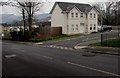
pixel 76 15
pixel 77 27
pixel 72 27
pixel 82 24
pixel 86 15
pixel 90 15
pixel 94 15
pixel 67 27
pixel 72 15
pixel 90 26
pixel 94 26
pixel 81 14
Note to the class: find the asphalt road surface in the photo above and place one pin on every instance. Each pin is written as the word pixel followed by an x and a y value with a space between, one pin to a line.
pixel 84 40
pixel 32 60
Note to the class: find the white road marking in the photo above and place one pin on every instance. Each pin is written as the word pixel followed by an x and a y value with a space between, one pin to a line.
pixel 57 47
pixel 71 48
pixel 94 69
pixel 46 57
pixel 61 48
pixel 65 48
pixel 10 56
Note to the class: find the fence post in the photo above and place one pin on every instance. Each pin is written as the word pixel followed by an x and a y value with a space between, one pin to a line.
pixel 101 39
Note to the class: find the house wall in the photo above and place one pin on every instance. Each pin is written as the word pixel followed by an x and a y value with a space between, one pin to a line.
pixel 76 21
pixel 0 28
pixel 58 18
pixel 5 29
pixel 92 21
pixel 65 21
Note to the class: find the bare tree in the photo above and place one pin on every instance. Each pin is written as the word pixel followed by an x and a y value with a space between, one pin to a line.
pixel 109 11
pixel 30 7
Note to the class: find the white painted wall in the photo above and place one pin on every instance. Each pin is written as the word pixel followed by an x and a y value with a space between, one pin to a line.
pixel 65 21
pixel 92 21
pixel 76 21
pixel 58 19
pixel 0 28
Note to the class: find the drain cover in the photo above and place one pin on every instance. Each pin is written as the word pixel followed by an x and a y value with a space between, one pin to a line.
pixel 88 55
pixel 10 56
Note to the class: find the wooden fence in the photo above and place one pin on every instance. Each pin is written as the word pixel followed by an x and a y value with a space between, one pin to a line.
pixel 115 27
pixel 48 31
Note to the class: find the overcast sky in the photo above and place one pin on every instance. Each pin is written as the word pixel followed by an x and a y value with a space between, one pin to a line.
pixel 46 7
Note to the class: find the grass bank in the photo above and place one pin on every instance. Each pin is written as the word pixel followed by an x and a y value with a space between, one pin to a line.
pixel 108 43
pixel 39 39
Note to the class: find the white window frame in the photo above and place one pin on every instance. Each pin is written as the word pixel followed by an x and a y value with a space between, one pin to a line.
pixel 76 15
pixel 90 26
pixel 77 27
pixel 90 15
pixel 72 15
pixel 94 27
pixel 72 27
pixel 81 15
pixel 94 15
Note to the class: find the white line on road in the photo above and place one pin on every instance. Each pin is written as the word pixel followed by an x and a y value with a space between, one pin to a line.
pixel 94 69
pixel 10 56
pixel 46 57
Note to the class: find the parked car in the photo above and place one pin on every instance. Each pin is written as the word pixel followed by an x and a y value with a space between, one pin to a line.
pixel 104 28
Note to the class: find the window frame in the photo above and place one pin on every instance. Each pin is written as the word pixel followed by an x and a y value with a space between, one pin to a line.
pixel 94 15
pixel 81 14
pixel 90 26
pixel 76 14
pixel 90 15
pixel 72 15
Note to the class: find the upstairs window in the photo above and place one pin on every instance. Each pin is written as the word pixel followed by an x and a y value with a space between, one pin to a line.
pixel 90 15
pixel 76 15
pixel 72 15
pixel 94 15
pixel 81 14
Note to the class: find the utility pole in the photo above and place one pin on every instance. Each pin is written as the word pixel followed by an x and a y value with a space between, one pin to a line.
pixel 23 22
pixel 101 20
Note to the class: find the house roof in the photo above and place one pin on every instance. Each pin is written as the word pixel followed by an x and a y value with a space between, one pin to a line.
pixel 66 6
pixel 4 24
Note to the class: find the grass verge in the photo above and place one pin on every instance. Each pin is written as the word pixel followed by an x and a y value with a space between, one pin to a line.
pixel 108 43
pixel 39 39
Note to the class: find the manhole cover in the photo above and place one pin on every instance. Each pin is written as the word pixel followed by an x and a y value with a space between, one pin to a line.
pixel 88 55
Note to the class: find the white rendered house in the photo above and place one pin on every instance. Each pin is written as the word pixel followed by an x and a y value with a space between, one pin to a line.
pixel 74 18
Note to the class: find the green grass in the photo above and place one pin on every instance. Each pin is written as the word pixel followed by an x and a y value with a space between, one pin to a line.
pixel 108 43
pixel 39 39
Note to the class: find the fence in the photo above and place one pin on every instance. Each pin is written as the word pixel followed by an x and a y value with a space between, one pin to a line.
pixel 48 31
pixel 116 28
pixel 109 36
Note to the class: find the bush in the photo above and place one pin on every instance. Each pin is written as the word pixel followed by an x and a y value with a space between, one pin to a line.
pixel 19 35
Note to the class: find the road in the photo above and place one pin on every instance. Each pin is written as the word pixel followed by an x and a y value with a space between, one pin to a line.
pixel 32 60
pixel 84 40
